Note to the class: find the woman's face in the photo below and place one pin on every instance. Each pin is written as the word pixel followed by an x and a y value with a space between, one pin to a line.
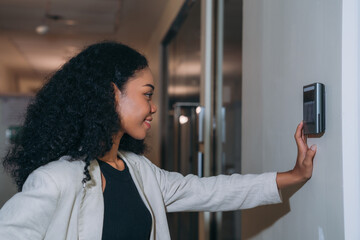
pixel 135 105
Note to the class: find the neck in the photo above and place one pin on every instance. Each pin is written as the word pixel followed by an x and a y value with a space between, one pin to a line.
pixel 111 156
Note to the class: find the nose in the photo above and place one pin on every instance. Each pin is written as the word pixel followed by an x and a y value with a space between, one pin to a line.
pixel 153 108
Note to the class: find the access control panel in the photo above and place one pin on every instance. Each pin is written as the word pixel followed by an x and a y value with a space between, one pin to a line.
pixel 314 108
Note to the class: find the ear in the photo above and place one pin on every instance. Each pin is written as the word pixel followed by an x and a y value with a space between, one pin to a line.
pixel 116 89
pixel 117 92
pixel 114 86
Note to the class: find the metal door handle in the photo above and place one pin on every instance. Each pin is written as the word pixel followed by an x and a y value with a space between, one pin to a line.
pixel 201 124
pixel 200 164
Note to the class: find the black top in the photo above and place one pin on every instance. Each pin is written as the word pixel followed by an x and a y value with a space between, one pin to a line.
pixel 125 214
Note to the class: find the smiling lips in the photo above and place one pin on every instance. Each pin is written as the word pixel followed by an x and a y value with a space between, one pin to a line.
pixel 147 122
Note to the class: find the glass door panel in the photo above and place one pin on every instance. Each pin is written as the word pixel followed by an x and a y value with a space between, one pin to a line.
pixel 181 60
pixel 228 105
pixel 186 53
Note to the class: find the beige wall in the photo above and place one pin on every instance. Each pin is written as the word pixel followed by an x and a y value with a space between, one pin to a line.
pixel 152 53
pixel 7 80
pixel 17 76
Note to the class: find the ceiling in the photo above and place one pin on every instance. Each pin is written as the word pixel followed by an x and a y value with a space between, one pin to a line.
pixel 26 57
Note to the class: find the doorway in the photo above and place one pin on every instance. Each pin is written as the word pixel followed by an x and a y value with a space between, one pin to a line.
pixel 182 72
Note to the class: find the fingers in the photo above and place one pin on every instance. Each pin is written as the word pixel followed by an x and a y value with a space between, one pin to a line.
pixel 303 135
pixel 313 148
pixel 300 137
pixel 298 132
pixel 310 154
pixel 307 163
pixel 304 138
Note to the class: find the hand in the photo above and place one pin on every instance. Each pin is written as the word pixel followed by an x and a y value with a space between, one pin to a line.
pixel 304 164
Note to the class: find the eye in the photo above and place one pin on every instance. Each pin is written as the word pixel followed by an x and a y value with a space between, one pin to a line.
pixel 149 95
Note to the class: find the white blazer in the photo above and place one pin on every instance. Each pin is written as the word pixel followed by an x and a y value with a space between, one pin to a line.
pixel 54 204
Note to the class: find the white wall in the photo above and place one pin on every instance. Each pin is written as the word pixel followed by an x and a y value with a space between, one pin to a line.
pixel 351 117
pixel 286 45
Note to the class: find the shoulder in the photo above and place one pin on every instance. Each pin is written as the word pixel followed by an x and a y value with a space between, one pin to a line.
pixel 140 162
pixel 66 166
pixel 63 172
pixel 135 159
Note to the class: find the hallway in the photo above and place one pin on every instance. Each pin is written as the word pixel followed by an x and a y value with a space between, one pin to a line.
pixel 229 77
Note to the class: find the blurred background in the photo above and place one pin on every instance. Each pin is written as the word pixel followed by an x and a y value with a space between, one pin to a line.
pixel 37 37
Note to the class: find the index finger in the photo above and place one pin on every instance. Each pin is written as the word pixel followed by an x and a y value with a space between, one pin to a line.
pixel 298 133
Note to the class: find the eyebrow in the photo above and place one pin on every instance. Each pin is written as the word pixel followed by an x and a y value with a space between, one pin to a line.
pixel 149 85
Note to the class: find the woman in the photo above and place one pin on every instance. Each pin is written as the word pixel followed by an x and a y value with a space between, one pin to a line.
pixel 79 166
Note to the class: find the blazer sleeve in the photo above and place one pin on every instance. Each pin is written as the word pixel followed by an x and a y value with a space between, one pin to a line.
pixel 28 213
pixel 218 193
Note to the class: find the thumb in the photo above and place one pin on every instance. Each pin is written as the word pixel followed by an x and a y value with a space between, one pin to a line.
pixel 311 152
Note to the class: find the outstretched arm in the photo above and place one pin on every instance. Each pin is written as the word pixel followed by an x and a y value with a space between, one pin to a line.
pixel 304 163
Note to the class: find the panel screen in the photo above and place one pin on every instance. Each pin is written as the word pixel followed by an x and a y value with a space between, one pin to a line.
pixel 309 105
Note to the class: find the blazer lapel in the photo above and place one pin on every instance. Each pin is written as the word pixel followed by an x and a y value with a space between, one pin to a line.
pixel 91 212
pixel 135 174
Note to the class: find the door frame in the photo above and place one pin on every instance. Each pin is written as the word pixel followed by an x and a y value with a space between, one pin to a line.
pixel 351 117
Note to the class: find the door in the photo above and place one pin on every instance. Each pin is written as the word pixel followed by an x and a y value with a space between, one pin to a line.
pixel 228 104
pixel 181 91
pixel 202 64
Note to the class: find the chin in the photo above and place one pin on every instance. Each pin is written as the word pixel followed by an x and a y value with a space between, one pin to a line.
pixel 138 137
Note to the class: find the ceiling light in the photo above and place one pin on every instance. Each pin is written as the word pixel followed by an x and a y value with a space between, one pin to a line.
pixel 183 119
pixel 42 29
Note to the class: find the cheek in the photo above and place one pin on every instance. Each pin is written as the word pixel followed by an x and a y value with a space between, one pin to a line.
pixel 130 112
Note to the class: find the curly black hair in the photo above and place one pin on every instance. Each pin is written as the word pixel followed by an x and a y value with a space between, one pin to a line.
pixel 75 112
